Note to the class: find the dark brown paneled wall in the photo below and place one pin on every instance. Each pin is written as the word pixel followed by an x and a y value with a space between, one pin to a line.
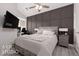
pixel 61 17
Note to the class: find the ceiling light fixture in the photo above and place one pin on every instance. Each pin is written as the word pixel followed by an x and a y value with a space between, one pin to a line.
pixel 38 7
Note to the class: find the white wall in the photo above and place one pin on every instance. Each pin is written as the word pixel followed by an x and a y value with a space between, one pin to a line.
pixel 76 26
pixel 76 17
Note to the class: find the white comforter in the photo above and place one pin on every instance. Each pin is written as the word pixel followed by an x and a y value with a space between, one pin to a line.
pixel 42 45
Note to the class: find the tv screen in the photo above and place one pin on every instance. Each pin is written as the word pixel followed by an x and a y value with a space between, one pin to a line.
pixel 10 21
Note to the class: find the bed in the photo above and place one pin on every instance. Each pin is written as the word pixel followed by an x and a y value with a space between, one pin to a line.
pixel 42 43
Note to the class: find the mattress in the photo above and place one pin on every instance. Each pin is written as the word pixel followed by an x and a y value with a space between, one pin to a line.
pixel 41 45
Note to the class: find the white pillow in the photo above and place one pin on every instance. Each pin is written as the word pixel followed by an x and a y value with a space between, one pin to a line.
pixel 39 31
pixel 48 32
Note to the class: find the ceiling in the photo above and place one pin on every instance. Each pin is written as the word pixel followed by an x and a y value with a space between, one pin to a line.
pixel 21 7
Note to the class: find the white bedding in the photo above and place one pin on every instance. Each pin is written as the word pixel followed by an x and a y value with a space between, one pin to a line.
pixel 42 45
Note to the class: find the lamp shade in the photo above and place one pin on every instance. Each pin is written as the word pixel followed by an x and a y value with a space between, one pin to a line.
pixel 63 29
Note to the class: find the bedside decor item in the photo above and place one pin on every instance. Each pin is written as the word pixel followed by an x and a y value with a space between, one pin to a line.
pixel 23 29
pixel 63 31
pixel 25 32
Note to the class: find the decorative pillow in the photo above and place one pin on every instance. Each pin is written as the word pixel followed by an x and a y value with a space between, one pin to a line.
pixel 48 32
pixel 53 29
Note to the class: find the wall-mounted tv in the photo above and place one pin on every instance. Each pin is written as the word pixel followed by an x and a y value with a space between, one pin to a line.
pixel 10 21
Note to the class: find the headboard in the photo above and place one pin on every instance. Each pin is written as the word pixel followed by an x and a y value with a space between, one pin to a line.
pixel 53 28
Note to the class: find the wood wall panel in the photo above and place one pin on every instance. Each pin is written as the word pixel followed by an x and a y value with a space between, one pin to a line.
pixel 67 11
pixel 61 17
pixel 47 18
pixel 33 24
pixel 39 21
pixel 29 23
pixel 55 22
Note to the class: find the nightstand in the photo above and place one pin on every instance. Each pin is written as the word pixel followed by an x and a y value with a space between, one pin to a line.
pixel 63 40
